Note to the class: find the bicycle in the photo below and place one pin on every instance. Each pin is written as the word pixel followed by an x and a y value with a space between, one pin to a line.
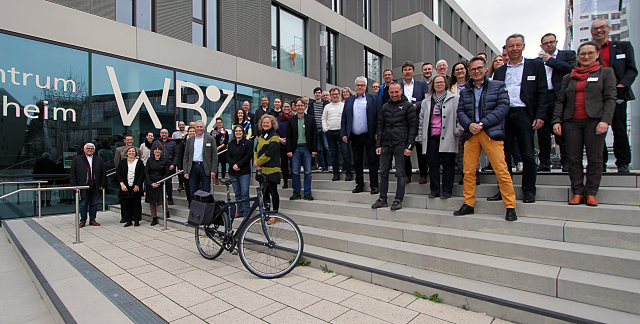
pixel 270 244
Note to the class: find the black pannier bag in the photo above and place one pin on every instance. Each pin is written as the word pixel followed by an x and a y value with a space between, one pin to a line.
pixel 203 209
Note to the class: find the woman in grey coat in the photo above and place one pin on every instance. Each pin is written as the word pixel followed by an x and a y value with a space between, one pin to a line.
pixel 438 126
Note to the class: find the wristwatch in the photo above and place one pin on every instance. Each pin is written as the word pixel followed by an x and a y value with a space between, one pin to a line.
pixel 481 124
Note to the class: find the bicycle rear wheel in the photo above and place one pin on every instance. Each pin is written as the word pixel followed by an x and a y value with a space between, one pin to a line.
pixel 209 241
pixel 270 259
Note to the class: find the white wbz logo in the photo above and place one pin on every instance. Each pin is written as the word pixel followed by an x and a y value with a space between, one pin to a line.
pixel 212 93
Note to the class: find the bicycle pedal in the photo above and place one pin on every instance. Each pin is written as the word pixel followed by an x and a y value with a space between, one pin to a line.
pixel 234 252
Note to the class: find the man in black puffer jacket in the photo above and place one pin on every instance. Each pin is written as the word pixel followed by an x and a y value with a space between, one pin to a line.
pixel 396 135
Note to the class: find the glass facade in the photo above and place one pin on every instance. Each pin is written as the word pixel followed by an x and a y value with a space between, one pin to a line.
pixel 124 11
pixel 287 41
pixel 331 57
pixel 55 103
pixel 144 14
pixel 372 67
pixel 211 24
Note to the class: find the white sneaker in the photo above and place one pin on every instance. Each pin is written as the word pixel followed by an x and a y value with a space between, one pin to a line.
pixel 330 168
pixel 519 167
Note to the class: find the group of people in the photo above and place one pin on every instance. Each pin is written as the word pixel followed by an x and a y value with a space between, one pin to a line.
pixel 493 106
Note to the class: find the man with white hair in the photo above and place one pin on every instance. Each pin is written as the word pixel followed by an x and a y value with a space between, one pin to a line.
pixel 358 126
pixel 442 68
pixel 88 170
pixel 200 160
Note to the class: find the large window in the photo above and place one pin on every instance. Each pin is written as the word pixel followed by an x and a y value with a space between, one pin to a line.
pixel 124 11
pixel 215 98
pixel 372 67
pixel 204 24
pixel 331 56
pixel 144 14
pixel 197 23
pixel 436 12
pixel 287 41
pixel 253 95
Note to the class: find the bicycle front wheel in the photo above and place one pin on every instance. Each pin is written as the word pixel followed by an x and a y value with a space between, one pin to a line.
pixel 209 241
pixel 272 259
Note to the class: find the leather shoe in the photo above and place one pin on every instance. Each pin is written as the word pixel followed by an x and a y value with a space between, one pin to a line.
pixel 495 197
pixel 461 181
pixel 408 179
pixel 576 200
pixel 122 221
pixel 127 224
pixel 285 185
pixel 154 221
pixel 445 195
pixel 381 202
pixel 81 225
pixel 591 200
pixel 464 210
pixel 529 198
pixel 94 223
pixel 374 190
pixel 358 189
pixel 348 177
pixel 295 196
pixel 623 168
pixel 308 196
pixel 544 168
pixel 169 201
pixel 136 223
pixel 434 195
pixel 335 178
pixel 423 180
pixel 511 215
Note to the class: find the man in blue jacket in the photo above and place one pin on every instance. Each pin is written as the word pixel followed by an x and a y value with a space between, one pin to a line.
pixel 482 110
pixel 358 126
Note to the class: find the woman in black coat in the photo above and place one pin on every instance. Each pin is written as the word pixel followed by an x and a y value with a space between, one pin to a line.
pixel 240 151
pixel 130 177
pixel 156 169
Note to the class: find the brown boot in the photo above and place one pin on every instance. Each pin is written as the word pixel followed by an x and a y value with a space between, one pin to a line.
pixel 576 200
pixel 591 201
pixel 217 182
pixel 423 180
pixel 408 179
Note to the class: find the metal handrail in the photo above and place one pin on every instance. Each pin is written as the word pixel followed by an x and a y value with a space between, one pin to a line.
pixel 19 163
pixel 165 208
pixel 75 188
pixel 18 183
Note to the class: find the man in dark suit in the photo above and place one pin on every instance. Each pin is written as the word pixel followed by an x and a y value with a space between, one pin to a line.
pixel 120 151
pixel 250 116
pixel 358 126
pixel 414 90
pixel 88 170
pixel 557 64
pixel 169 153
pixel 264 109
pixel 200 161
pixel 302 146
pixel 526 82
pixel 620 57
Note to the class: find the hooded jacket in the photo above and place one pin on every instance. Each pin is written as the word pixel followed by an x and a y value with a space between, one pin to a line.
pixel 397 124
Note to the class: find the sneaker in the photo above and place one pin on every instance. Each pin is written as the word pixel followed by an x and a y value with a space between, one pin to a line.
pixel 381 202
pixel 397 204
pixel 320 169
pixel 519 167
pixel 330 168
pixel 308 197
pixel 296 196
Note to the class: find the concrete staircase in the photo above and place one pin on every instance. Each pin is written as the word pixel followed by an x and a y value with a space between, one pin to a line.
pixel 556 263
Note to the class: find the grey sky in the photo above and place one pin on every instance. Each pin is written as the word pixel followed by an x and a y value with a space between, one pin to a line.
pixel 532 18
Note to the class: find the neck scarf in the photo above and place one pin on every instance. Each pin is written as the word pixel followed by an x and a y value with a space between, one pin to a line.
pixel 439 101
pixel 582 73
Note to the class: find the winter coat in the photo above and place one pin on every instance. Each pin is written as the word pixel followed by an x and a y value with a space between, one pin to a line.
pixel 397 124
pixel 450 125
pixel 494 106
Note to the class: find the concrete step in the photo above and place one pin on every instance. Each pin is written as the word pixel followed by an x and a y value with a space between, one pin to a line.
pixel 605 260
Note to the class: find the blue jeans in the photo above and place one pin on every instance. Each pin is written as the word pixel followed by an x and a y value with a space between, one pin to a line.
pixel 196 176
pixel 518 128
pixel 323 145
pixel 301 156
pixel 241 190
pixel 90 200
pixel 338 147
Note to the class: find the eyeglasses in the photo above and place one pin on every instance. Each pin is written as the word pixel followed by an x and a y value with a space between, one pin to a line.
pixel 549 43
pixel 603 27
pixel 90 148
pixel 375 87
pixel 439 83
pixel 361 85
pixel 585 54
pixel 478 69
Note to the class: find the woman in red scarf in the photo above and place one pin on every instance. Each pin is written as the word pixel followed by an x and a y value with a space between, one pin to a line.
pixel 582 115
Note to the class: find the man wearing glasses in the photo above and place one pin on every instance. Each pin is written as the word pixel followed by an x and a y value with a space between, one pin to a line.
pixel 88 170
pixel 618 56
pixel 358 126
pixel 375 87
pixel 526 82
pixel 557 64
pixel 482 109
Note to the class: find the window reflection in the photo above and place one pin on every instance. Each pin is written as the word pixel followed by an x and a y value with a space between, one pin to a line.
pixel 253 95
pixel 212 24
pixel 124 11
pixel 197 33
pixel 372 67
pixel 291 43
pixel 211 89
pixel 144 14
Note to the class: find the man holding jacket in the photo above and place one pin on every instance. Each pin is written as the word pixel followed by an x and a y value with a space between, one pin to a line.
pixel 397 130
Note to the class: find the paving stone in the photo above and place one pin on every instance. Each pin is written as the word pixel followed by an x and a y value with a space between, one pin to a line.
pixel 166 308
pixel 168 263
pixel 210 308
pixel 142 269
pixel 325 310
pixel 224 270
pixel 289 296
pixel 313 272
pixel 159 279
pixel 268 310
pixel 145 252
pixel 129 262
pixel 426 319
pixel 380 309
pixel 185 294
pixel 336 279
pixel 234 316
pixel 324 291
pixel 242 298
pixel 110 269
pixel 369 289
pixel 128 282
pixel 191 319
pixel 355 317
pixel 248 280
pixel 144 292
pixel 403 300
pixel 200 278
pixel 290 315
pixel 448 312
pixel 290 280
pixel 219 287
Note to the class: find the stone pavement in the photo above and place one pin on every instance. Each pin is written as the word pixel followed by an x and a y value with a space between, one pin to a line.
pixel 164 270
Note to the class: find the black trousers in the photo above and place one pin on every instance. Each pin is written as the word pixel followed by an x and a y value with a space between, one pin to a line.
pixel 386 153
pixel 448 166
pixel 518 127
pixel 131 209
pixel 271 195
pixel 582 133
pixel 423 166
pixel 358 144
pixel 545 133
pixel 621 148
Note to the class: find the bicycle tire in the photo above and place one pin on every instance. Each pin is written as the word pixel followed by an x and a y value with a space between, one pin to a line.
pixel 209 241
pixel 275 261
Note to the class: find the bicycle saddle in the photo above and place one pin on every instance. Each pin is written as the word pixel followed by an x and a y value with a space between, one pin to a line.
pixel 226 180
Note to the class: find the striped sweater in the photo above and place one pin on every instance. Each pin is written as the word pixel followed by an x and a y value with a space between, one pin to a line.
pixel 267 155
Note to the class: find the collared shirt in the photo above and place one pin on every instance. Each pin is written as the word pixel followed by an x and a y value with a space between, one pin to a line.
pixel 359 125
pixel 513 81
pixel 605 54
pixel 90 168
pixel 477 92
pixel 302 134
pixel 408 91
pixel 550 71
pixel 198 143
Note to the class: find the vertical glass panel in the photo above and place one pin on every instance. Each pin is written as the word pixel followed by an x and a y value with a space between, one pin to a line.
pixel 336 5
pixel 274 58
pixel 46 111
pixel 436 12
pixel 197 33
pixel 331 58
pixel 366 6
pixel 292 40
pixel 136 85
pixel 253 96
pixel 124 11
pixel 274 26
pixel 197 9
pixel 217 100
pixel 143 14
pixel 212 24
pixel 373 68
